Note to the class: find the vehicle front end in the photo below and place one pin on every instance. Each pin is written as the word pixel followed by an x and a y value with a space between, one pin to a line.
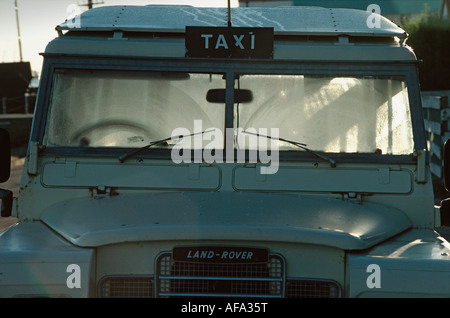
pixel 158 170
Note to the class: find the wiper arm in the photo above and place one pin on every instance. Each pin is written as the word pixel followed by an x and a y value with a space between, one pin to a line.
pixel 125 156
pixel 298 144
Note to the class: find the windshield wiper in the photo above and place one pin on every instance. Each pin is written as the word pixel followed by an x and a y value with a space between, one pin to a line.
pixel 125 156
pixel 298 144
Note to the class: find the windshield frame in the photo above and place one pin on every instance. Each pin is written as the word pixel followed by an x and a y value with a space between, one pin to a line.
pixel 231 69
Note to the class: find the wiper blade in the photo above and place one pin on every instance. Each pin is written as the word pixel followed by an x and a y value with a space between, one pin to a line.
pixel 298 144
pixel 125 156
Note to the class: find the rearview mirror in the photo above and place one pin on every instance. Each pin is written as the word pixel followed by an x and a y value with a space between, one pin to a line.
pixel 6 203
pixel 446 164
pixel 218 95
pixel 5 155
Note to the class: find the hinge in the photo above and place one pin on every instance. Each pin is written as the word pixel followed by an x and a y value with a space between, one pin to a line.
pixel 118 35
pixel 421 176
pixel 102 191
pixel 343 40
pixel 33 156
pixel 353 197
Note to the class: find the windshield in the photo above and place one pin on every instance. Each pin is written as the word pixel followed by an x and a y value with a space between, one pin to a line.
pixel 130 109
pixel 330 114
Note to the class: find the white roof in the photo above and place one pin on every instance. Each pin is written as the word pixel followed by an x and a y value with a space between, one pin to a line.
pixel 292 20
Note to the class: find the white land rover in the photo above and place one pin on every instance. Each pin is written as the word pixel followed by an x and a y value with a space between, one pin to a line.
pixel 177 152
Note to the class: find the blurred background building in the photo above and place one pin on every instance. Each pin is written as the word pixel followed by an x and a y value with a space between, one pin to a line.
pixel 394 10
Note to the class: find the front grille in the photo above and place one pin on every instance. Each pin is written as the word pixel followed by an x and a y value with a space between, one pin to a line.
pixel 309 288
pixel 203 279
pixel 186 279
pixel 126 287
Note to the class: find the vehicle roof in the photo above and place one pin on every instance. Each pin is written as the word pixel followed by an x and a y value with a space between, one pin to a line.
pixel 293 20
pixel 300 33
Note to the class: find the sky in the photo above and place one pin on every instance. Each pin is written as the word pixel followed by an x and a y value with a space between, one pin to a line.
pixel 38 19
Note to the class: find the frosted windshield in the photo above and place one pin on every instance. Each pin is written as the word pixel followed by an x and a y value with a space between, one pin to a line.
pixel 93 108
pixel 330 114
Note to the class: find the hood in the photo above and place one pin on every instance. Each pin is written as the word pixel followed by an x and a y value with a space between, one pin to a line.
pixel 231 216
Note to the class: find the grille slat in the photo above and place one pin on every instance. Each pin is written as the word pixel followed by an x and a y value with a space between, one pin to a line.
pixel 192 295
pixel 221 278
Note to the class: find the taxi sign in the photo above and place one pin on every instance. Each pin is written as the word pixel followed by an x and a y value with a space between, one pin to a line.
pixel 229 42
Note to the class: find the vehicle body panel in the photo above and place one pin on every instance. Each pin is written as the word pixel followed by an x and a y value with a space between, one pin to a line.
pixel 218 216
pixel 322 222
